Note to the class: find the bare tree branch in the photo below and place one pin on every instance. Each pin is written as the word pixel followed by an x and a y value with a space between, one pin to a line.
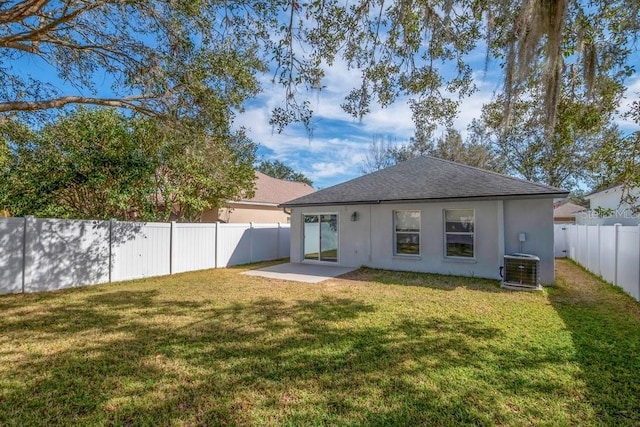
pixel 47 28
pixel 21 11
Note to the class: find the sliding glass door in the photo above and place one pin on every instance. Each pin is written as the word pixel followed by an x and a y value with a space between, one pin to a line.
pixel 321 237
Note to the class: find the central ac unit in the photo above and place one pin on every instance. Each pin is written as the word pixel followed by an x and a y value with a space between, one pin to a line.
pixel 521 272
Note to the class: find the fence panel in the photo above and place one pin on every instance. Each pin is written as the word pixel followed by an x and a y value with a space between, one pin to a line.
pixel 581 245
pixel 11 254
pixel 628 260
pixel 572 240
pixel 234 244
pixel 611 251
pixel 193 247
pixel 608 253
pixel 62 254
pixel 284 241
pixel 140 250
pixel 593 249
pixel 264 242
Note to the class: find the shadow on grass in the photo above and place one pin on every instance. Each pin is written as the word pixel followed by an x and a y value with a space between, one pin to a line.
pixel 131 358
pixel 427 280
pixel 605 328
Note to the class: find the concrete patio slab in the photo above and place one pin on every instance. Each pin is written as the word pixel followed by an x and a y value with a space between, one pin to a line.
pixel 308 273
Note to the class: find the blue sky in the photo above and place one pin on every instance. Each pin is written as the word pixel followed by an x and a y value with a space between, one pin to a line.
pixel 338 145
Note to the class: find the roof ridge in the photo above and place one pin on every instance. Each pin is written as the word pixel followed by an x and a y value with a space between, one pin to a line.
pixel 495 173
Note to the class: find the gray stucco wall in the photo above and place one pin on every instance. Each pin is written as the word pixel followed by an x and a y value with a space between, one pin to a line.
pixel 533 217
pixel 369 240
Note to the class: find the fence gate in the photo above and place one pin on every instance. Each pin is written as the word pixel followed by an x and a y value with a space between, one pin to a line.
pixel 560 240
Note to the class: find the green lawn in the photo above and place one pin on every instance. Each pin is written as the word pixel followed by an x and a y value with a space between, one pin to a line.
pixel 375 348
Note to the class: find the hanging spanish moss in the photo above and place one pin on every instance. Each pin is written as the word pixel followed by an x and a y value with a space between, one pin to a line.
pixel 538 29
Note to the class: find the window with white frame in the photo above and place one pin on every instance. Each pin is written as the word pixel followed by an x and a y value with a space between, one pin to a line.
pixel 406 234
pixel 459 231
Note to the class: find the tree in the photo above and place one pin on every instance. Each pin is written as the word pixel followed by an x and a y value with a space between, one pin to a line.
pixel 89 164
pixel 560 157
pixel 277 169
pixel 200 171
pixel 161 57
pixel 417 146
pixel 450 146
pixel 419 49
pixel 617 161
pixel 12 134
pixel 100 164
pixel 378 155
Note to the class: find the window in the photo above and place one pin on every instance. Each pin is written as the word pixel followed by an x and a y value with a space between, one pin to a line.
pixel 459 230
pixel 407 232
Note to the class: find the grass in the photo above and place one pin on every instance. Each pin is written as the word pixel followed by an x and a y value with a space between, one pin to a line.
pixel 372 348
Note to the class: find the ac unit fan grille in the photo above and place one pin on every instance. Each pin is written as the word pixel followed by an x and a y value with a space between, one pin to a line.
pixel 522 271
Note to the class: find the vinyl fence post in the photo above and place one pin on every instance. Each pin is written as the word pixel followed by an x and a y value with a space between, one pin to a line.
pixel 111 223
pixel 586 258
pixel 577 257
pixel 250 242
pixel 616 229
pixel 572 242
pixel 172 230
pixel 24 252
pixel 215 250
pixel 278 242
pixel 598 248
pixel 638 262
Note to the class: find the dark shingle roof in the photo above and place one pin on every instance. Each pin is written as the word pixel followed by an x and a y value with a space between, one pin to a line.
pixel 426 178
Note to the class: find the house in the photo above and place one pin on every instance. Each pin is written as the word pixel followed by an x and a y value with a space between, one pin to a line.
pixel 606 207
pixel 263 206
pixel 427 215
pixel 566 212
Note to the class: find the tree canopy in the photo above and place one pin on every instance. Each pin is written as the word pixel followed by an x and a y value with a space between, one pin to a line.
pixel 100 164
pixel 158 57
pixel 277 169
pixel 200 58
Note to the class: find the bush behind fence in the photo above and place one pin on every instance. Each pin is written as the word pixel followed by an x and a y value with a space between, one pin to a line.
pixel 48 254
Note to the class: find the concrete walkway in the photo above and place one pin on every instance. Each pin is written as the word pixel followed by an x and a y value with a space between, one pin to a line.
pixel 308 273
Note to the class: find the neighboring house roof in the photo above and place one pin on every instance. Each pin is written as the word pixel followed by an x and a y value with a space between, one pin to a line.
pixel 567 210
pixel 273 191
pixel 604 190
pixel 613 189
pixel 426 179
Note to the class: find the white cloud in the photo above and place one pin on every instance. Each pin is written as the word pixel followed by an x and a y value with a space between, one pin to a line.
pixel 632 94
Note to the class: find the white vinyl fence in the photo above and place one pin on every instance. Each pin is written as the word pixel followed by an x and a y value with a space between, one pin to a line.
pixel 610 251
pixel 48 254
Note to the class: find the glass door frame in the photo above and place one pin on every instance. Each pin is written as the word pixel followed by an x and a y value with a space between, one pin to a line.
pixel 337 234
